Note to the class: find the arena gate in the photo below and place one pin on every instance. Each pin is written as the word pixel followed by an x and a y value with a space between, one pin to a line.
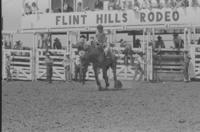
pixel 21 64
pixel 58 68
pixel 195 55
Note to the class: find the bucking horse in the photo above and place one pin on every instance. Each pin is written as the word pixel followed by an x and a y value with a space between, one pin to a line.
pixel 99 60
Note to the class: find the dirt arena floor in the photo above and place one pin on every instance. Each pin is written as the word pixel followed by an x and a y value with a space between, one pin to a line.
pixel 72 107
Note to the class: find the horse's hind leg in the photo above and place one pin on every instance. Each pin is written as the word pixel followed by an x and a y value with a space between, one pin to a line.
pixel 105 77
pixel 114 68
pixel 97 78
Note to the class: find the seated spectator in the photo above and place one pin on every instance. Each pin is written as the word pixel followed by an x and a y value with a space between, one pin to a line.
pixel 195 3
pixel 27 9
pixel 159 43
pixel 34 8
pixel 136 5
pixel 185 3
pixel 137 44
pixel 159 5
pixel 111 5
pixel 172 4
pixel 57 44
pixel 67 8
pixel 167 4
pixel 79 7
pixel 145 4
pixel 129 4
pixel 98 5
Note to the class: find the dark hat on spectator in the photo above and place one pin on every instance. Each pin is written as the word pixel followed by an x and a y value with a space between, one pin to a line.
pixel 82 36
pixel 159 37
pixel 56 39
pixel 100 27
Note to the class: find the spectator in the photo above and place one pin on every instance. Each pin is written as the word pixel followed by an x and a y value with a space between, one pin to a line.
pixel 67 65
pixel 57 44
pixel 49 67
pixel 67 8
pixel 159 5
pixel 145 4
pixel 185 3
pixel 98 5
pixel 34 8
pixel 18 45
pixel 167 4
pixel 77 66
pixel 127 54
pixel 80 44
pixel 136 5
pixel 27 9
pixel 195 3
pixel 172 4
pixel 8 69
pixel 187 59
pixel 139 62
pixel 111 5
pixel 79 7
pixel 178 42
pixel 137 44
pixel 198 41
pixel 159 43
pixel 91 42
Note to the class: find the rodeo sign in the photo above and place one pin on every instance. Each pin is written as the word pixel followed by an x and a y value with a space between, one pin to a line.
pixel 112 18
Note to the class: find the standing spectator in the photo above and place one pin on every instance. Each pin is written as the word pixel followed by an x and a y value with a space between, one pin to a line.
pixel 80 45
pixel 8 69
pixel 67 8
pixel 57 44
pixel 77 66
pixel 98 5
pixel 159 43
pixel 137 44
pixel 91 42
pixel 187 59
pixel 139 62
pixel 34 8
pixel 178 42
pixel 67 65
pixel 127 54
pixel 49 66
pixel 27 9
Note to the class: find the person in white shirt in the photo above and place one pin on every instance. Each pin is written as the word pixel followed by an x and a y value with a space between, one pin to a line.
pixel 67 65
pixel 77 66
pixel 139 62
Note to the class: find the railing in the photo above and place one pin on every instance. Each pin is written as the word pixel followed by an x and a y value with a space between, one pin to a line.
pixel 21 62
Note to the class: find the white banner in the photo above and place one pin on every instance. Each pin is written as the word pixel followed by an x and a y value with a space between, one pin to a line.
pixel 90 19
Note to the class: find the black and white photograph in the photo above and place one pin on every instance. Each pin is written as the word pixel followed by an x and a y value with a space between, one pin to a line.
pixel 100 65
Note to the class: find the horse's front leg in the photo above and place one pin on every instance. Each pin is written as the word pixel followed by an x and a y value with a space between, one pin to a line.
pixel 97 78
pixel 105 77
